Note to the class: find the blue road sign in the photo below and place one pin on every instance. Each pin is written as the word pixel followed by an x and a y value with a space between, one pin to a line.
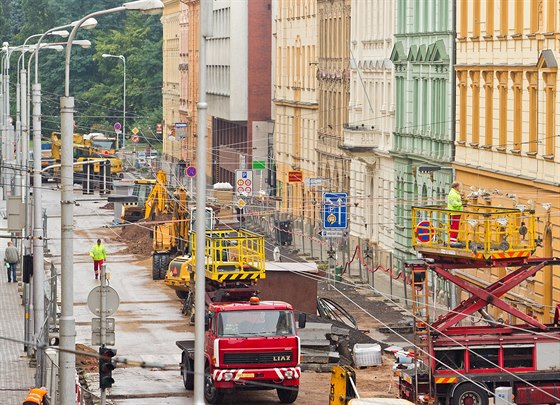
pixel 335 210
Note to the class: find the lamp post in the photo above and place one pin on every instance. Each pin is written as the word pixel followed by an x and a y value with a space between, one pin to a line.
pixel 38 246
pixel 67 363
pixel 121 57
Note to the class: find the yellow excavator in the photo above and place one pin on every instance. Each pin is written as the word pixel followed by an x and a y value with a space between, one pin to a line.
pixel 168 212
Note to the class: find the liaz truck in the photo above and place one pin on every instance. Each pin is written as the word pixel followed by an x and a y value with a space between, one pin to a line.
pixel 249 345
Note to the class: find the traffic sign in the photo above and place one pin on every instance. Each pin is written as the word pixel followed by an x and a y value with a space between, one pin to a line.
pixel 244 183
pixel 331 233
pixel 135 130
pixel 117 126
pixel 94 300
pixel 241 203
pixel 335 212
pixel 135 138
pixel 424 231
pixel 191 171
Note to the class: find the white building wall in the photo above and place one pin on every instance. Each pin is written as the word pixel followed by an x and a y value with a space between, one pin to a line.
pixel 371 109
pixel 226 56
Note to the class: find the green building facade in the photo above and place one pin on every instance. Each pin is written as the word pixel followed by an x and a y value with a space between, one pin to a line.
pixel 423 149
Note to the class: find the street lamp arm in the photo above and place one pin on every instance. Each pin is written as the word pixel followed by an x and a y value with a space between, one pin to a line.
pixel 71 38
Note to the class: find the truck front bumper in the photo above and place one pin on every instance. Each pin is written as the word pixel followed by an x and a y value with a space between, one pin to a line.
pixel 232 378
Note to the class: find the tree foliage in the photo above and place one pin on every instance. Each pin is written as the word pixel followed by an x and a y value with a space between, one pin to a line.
pixel 96 83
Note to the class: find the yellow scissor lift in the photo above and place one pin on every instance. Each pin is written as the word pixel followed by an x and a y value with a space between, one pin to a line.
pixel 487 237
pixel 235 261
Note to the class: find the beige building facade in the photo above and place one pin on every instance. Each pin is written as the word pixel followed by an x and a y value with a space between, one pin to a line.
pixel 507 123
pixel 333 90
pixel 170 19
pixel 296 107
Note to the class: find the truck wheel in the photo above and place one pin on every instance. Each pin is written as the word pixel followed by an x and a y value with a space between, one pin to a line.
pixel 287 395
pixel 156 267
pixel 165 260
pixel 187 371
pixel 181 294
pixel 212 394
pixel 469 394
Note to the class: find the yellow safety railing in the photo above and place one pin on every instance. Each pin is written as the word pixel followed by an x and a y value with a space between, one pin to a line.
pixel 484 232
pixel 233 255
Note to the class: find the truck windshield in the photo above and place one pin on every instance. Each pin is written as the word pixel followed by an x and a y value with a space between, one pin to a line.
pixel 256 323
pixel 104 143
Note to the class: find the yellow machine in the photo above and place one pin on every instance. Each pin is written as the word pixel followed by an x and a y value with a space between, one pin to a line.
pixel 235 261
pixel 134 211
pixel 170 230
pixel 343 390
pixel 484 232
pixel 89 147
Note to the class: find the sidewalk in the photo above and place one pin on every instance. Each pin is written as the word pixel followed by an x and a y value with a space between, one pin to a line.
pixel 16 376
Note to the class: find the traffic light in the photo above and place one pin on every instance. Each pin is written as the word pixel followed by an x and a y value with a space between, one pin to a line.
pixel 106 367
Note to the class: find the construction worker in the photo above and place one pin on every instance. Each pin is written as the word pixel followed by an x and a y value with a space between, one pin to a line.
pixel 98 254
pixel 37 396
pixel 454 203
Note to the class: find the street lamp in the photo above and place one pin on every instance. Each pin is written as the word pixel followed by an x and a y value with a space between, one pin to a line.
pixel 121 57
pixel 67 363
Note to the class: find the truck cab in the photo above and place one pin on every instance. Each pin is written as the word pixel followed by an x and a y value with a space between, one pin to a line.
pixel 248 345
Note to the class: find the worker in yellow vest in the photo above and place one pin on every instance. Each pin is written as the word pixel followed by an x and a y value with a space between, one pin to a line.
pixel 454 203
pixel 98 254
pixel 37 396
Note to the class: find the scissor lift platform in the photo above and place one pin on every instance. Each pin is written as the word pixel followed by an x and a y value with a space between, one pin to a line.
pixel 485 232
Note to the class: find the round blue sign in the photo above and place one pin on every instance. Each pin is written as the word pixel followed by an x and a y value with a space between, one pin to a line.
pixel 191 171
pixel 117 126
pixel 424 231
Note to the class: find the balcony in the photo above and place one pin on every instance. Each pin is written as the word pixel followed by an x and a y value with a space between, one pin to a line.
pixel 360 138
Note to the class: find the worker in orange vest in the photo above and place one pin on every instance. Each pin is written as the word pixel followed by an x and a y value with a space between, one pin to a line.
pixel 37 396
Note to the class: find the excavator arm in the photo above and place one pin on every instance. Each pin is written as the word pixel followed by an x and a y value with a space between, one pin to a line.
pixel 156 202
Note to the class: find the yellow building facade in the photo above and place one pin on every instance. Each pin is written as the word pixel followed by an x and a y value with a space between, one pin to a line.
pixel 506 125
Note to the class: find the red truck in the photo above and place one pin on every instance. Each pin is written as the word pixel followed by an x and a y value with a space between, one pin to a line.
pixel 248 345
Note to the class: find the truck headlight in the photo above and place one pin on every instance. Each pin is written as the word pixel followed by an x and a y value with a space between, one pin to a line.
pixel 228 376
pixel 289 374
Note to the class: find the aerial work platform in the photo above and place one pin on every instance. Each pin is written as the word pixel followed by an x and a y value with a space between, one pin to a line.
pixel 485 232
pixel 488 237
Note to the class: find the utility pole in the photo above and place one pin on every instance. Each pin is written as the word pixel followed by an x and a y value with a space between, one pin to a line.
pixel 200 259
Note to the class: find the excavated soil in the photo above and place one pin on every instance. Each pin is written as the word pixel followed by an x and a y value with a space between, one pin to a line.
pixel 137 238
pixel 86 358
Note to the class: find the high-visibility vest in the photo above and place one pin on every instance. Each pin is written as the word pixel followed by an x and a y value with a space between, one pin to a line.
pixel 36 395
pixel 454 201
pixel 98 252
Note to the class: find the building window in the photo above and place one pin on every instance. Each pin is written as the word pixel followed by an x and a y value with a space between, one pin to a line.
pixel 475 86
pixel 532 78
pixel 503 100
pixel 489 107
pixel 462 76
pixel 517 78
pixel 504 17
pixel 490 17
pixel 519 17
